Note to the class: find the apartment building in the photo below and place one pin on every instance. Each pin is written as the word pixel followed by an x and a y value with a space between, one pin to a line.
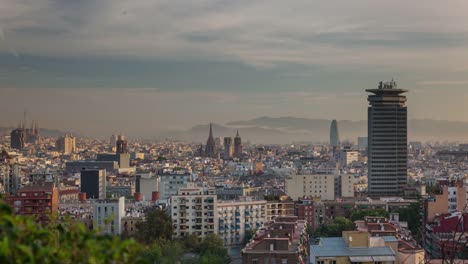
pixel 235 218
pixel 276 209
pixel 40 201
pixel 169 184
pixel 194 212
pixel 107 215
pixel 326 186
pixel 317 185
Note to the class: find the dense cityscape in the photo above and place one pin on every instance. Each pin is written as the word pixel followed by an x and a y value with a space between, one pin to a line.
pixel 242 132
pixel 380 198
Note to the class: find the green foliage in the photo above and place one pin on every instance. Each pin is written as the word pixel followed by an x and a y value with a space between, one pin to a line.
pixel 161 158
pixel 192 243
pixel 212 250
pixel 309 230
pixel 164 252
pixel 412 215
pixel 23 240
pixel 434 189
pixel 271 197
pixel 336 228
pixel 157 225
pixel 249 234
pixel 360 214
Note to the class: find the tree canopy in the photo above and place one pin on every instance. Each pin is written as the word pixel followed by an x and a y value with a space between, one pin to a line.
pixel 413 215
pixel 23 240
pixel 360 214
pixel 157 225
pixel 336 228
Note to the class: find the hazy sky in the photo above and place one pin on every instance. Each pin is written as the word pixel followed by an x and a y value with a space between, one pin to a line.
pixel 136 67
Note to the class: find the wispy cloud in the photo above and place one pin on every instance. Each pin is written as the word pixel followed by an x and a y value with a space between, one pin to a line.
pixel 262 33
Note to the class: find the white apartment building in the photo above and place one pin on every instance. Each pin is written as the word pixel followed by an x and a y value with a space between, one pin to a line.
pixel 314 185
pixel 169 184
pixel 146 184
pixel 235 218
pixel 107 215
pixel 194 212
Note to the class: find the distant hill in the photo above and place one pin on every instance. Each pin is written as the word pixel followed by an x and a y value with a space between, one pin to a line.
pixel 284 130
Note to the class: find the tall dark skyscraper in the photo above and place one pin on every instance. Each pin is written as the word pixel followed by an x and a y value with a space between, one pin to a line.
pixel 387 135
pixel 121 145
pixel 237 145
pixel 334 135
pixel 210 148
pixel 17 138
pixel 93 183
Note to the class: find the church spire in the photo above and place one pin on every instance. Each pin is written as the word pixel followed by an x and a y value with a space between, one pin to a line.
pixel 211 131
pixel 210 144
pixel 237 134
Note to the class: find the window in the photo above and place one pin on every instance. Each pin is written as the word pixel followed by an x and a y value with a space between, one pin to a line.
pixel 332 261
pixel 284 261
pixel 320 262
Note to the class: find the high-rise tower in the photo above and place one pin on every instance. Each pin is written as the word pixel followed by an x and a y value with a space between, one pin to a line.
pixel 237 145
pixel 228 147
pixel 334 136
pixel 66 144
pixel 121 145
pixel 17 138
pixel 387 135
pixel 210 148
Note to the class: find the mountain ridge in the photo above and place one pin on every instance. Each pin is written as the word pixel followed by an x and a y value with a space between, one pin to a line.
pixel 285 130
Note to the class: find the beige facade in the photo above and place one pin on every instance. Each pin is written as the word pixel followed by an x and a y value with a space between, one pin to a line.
pixel 347 185
pixel 321 185
pixel 130 225
pixel 66 144
pixel 348 156
pixel 276 209
pixel 440 204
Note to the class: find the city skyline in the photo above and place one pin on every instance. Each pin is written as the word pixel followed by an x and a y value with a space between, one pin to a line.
pixel 219 60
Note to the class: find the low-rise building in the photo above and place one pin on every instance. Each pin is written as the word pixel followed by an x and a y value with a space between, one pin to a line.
pixel 146 184
pixel 130 225
pixel 120 190
pixel 447 236
pixel 284 240
pixel 276 209
pixel 107 215
pixel 354 247
pixel 40 201
pixel 311 210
